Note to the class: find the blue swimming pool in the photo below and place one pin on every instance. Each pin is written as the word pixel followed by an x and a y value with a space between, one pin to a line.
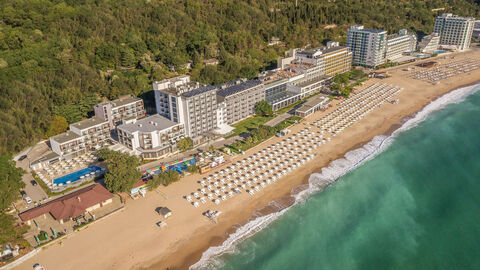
pixel 75 176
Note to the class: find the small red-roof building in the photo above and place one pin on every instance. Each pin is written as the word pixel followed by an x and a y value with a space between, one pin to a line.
pixel 72 205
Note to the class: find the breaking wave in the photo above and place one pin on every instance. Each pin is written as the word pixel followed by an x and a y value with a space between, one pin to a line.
pixel 318 181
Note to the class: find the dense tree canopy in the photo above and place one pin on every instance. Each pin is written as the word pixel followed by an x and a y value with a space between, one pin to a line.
pixel 10 182
pixel 59 57
pixel 122 170
pixel 184 144
pixel 263 108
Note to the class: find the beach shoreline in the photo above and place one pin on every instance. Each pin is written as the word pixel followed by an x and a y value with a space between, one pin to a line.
pixel 195 255
pixel 189 234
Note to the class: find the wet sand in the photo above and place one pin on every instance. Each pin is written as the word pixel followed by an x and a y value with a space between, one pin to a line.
pixel 131 240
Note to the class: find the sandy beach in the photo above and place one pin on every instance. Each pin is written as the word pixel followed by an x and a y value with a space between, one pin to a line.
pixel 130 239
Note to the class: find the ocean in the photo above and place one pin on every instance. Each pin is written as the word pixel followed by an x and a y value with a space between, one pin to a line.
pixel 406 201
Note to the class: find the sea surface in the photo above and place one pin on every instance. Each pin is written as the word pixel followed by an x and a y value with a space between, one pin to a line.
pixel 407 201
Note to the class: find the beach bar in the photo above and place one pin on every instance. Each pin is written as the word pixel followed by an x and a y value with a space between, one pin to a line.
pixel 313 105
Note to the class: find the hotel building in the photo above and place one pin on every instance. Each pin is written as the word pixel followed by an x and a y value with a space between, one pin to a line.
pixel 151 137
pixel 240 100
pixel 126 107
pixel 367 45
pixel 400 44
pixel 476 30
pixel 454 30
pixel 429 43
pixel 337 59
pixel 189 103
pixel 86 135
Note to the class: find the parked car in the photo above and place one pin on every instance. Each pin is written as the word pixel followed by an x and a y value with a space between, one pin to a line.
pixel 34 183
pixel 23 193
pixel 22 157
pixel 28 200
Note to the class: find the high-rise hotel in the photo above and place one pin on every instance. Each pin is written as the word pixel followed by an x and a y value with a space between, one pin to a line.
pixel 367 45
pixel 454 31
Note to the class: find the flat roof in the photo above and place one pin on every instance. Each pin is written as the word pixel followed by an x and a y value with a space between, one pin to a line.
pixel 360 28
pixel 88 123
pixel 309 82
pixel 333 49
pixel 65 137
pixel 313 103
pixel 232 90
pixel 199 91
pixel 122 101
pixel 50 155
pixel 148 124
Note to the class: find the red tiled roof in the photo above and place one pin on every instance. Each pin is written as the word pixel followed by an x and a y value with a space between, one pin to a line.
pixel 71 205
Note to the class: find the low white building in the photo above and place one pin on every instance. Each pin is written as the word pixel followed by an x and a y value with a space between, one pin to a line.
pixel 151 137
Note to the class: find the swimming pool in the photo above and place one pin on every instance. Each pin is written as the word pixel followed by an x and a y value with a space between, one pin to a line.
pixel 75 176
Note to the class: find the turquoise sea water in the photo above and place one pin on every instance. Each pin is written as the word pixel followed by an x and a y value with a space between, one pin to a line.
pixel 416 205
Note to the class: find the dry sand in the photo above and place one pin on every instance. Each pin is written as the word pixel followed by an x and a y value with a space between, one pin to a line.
pixel 131 240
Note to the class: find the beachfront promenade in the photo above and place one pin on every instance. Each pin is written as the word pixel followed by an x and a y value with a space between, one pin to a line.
pixel 130 239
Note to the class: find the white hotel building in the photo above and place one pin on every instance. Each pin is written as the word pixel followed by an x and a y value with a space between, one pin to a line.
pixel 189 103
pixel 151 137
pixel 400 44
pixel 454 31
pixel 367 45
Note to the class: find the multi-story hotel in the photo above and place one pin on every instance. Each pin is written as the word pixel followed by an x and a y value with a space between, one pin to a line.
pixel 240 99
pixel 126 107
pixel 367 45
pixel 86 135
pixel 308 85
pixel 429 43
pixel 329 60
pixel 476 30
pixel 454 30
pixel 188 103
pixel 400 44
pixel 277 91
pixel 337 59
pixel 151 137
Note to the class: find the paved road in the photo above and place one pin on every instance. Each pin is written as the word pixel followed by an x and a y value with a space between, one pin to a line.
pixel 278 119
pixel 36 193
pixel 205 147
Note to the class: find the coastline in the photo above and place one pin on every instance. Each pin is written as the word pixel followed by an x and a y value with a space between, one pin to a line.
pixel 288 199
pixel 130 240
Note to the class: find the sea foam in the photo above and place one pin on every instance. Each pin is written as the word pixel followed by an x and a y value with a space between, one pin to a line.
pixel 318 181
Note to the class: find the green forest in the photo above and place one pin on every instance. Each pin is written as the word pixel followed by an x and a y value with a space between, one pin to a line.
pixel 60 57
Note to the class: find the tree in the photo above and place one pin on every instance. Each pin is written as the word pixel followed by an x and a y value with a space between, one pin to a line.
pixel 184 144
pixel 52 60
pixel 172 176
pixel 10 182
pixel 122 170
pixel 211 149
pixel 57 126
pixel 192 169
pixel 341 78
pixel 155 182
pixel 263 108
pixel 9 233
pixel 336 88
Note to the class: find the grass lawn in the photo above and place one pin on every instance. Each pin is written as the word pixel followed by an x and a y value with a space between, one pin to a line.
pixel 249 124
